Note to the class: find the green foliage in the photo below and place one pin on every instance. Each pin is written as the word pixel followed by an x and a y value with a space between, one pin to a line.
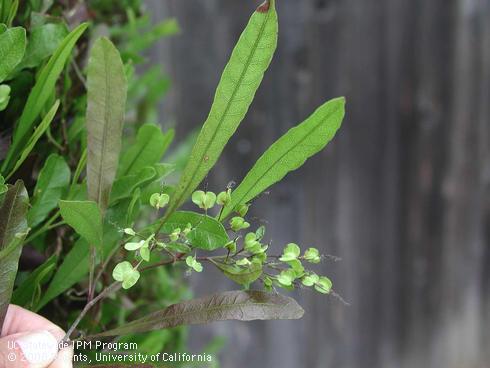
pixel 28 293
pixel 40 93
pixel 4 96
pixel 234 94
pixel 85 218
pixel 73 269
pixel 52 183
pixel 230 305
pixel 12 46
pixel 38 132
pixel 3 186
pixel 149 148
pixel 106 100
pixel 13 229
pixel 125 186
pixel 43 42
pixel 243 273
pixel 8 11
pixel 206 233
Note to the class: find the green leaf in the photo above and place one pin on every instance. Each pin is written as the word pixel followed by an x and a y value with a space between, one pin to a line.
pixel 149 148
pixel 14 7
pixel 27 293
pixel 289 152
pixel 13 229
pixel 38 132
pixel 235 92
pixel 12 48
pixel 106 100
pixel 242 276
pixel 4 96
pixel 85 218
pixel 206 233
pixel 41 92
pixel 52 182
pixel 229 305
pixel 3 186
pixel 73 268
pixel 43 41
pixel 125 186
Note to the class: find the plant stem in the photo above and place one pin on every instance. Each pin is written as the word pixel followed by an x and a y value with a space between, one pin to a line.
pixel 177 258
pixel 91 286
pixel 47 226
pixel 104 265
pixel 111 288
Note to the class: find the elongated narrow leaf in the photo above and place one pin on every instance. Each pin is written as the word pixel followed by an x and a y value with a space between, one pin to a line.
pixel 40 93
pixel 12 48
pixel 38 132
pixel 230 305
pixel 289 152
pixel 73 269
pixel 106 101
pixel 149 148
pixel 124 186
pixel 85 218
pixel 13 229
pixel 236 90
pixel 28 292
pixel 206 233
pixel 52 182
pixel 13 12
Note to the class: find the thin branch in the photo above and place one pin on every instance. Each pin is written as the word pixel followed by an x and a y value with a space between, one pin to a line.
pixel 111 288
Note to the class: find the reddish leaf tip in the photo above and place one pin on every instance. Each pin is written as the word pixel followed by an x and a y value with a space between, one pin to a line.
pixel 264 8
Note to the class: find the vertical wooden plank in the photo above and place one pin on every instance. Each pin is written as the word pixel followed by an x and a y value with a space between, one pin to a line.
pixel 423 117
pixel 464 187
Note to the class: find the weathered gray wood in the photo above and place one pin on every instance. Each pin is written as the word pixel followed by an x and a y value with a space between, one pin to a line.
pixel 401 195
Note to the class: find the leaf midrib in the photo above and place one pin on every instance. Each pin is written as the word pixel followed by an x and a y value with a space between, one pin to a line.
pixel 209 309
pixel 136 156
pixel 105 130
pixel 230 101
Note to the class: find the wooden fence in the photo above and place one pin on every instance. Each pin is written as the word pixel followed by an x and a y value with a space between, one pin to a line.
pixel 401 195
